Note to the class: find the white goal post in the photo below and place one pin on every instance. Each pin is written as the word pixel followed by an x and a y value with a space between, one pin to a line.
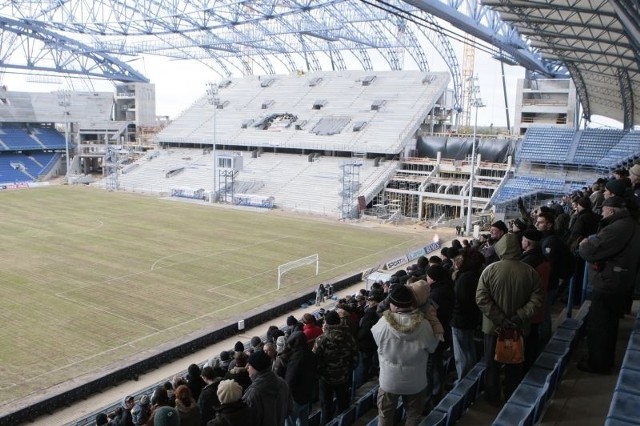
pixel 286 267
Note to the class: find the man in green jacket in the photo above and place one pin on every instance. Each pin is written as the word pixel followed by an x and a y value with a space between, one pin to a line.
pixel 509 293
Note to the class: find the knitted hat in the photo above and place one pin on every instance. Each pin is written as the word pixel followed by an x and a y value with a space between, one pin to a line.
pixel 238 347
pixel 259 360
pixel 437 273
pixel 101 419
pixel 166 416
pixel 635 170
pixel 614 201
pixel 255 341
pixel 402 297
pixel 332 318
pixel 291 320
pixel 615 187
pixel 520 224
pixel 500 225
pixel 532 235
pixel 584 202
pixel 229 391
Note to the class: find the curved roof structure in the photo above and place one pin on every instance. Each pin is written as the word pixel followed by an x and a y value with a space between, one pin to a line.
pixel 595 42
pixel 598 41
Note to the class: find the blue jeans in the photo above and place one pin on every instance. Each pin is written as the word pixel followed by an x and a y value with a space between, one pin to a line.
pixel 367 361
pixel 299 416
pixel 464 350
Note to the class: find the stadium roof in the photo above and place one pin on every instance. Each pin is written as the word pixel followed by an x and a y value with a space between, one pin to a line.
pixel 595 41
pixel 598 41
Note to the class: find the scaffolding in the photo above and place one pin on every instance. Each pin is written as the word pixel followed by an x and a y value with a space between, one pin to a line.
pixel 111 167
pixel 350 187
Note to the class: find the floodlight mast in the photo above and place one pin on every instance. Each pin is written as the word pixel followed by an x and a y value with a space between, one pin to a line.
pixel 212 98
pixel 476 102
pixel 64 100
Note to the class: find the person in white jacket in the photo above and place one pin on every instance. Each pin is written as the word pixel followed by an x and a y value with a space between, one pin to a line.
pixel 405 339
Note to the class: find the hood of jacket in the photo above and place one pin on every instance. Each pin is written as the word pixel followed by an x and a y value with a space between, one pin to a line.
pixel 405 322
pixel 508 247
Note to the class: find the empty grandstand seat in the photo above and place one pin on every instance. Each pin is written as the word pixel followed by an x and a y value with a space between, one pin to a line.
pixel 514 414
pixel 531 397
pixel 435 418
pixel 453 406
pixel 365 403
pixel 348 417
pixel 467 389
pixel 628 381
pixel 631 359
pixel 625 407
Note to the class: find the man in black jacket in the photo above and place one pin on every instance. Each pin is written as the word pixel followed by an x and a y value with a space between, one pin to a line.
pixel 614 252
pixel 301 377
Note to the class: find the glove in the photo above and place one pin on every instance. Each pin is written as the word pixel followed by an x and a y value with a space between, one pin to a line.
pixel 516 320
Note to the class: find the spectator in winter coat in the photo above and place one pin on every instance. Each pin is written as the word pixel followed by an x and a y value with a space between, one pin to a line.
pixel 233 411
pixel 268 396
pixel 301 377
pixel 337 354
pixel 187 407
pixel 466 316
pixel 404 339
pixel 509 293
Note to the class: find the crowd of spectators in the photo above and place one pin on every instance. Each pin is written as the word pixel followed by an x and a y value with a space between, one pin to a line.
pixel 441 310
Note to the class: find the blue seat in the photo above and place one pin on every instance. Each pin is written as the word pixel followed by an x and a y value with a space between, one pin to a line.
pixel 514 414
pixel 373 422
pixel 565 334
pixel 467 389
pixel 364 404
pixel 628 381
pixel 631 359
pixel 625 407
pixel 435 418
pixel 348 417
pixel 453 406
pixel 615 422
pixel 532 397
pixel 314 419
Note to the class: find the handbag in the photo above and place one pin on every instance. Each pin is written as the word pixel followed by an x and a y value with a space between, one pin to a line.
pixel 509 345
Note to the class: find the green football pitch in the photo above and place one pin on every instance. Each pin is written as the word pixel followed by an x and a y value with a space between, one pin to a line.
pixel 90 278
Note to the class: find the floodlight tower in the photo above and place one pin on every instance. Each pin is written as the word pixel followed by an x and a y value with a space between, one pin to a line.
pixel 64 100
pixel 476 102
pixel 212 98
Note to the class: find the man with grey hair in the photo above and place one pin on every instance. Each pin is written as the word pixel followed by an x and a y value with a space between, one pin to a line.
pixel 614 253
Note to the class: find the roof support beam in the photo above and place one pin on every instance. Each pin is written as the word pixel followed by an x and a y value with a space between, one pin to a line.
pixel 626 89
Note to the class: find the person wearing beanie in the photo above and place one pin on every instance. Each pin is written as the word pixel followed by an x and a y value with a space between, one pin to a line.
pixel 442 296
pixel 102 419
pixel 239 372
pixel 166 416
pixel 238 347
pixel 337 354
pixel 232 409
pixel 465 317
pixel 509 293
pixel 141 411
pixel 496 232
pixel 268 395
pixel 300 376
pixel 292 325
pixel 256 344
pixel 614 253
pixel 540 330
pixel 125 418
pixel 404 339
pixel 614 187
pixel 194 381
pixel 159 398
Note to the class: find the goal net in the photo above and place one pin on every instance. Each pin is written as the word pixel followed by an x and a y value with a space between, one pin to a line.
pixel 296 264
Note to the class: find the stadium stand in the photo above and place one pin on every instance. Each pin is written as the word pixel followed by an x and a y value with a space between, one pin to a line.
pixel 594 144
pixel 546 145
